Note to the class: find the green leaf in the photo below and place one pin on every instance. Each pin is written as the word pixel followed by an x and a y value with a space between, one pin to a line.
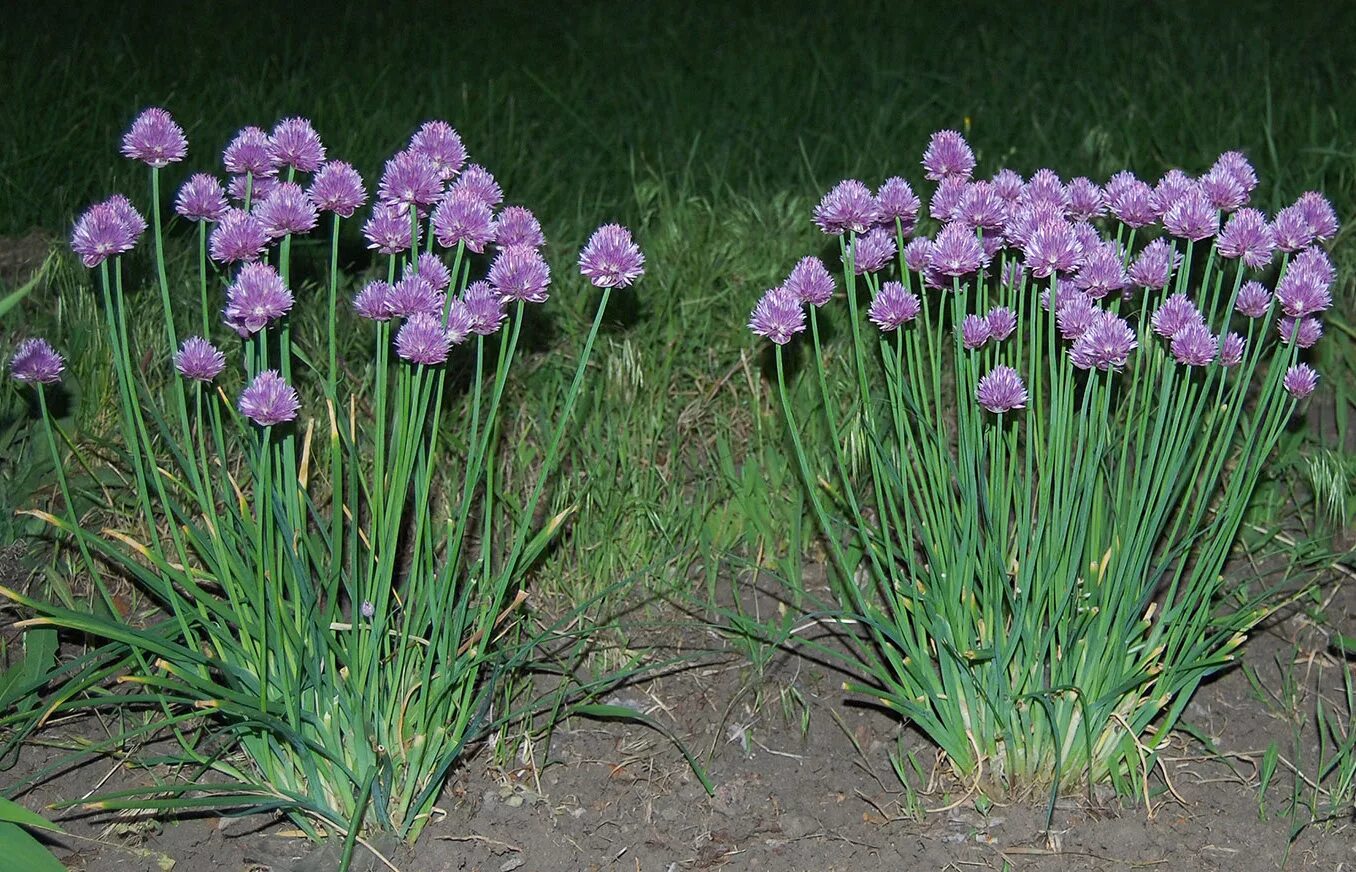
pixel 545 535
pixel 1268 771
pixel 40 647
pixel 13 813
pixel 15 297
pixel 1346 645
pixel 22 851
pixel 39 655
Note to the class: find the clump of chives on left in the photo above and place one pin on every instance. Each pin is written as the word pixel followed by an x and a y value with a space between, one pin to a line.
pixel 341 622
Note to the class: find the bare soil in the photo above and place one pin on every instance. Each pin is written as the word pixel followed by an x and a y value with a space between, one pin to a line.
pixel 803 782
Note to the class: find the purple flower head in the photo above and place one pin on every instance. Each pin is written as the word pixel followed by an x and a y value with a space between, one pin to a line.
pixel 1300 380
pixel 1154 266
pixel 1192 216
pixel 1001 322
pixel 410 179
pixel 937 280
pixel 437 141
pixel 948 155
pixel 287 210
pixel 388 230
pixel 1290 228
pixel 463 218
pixel 1074 314
pixel 421 340
pixel 849 206
pixel 1026 217
pixel 154 139
pixel 1102 272
pixel 898 203
pixel 975 332
pixel 893 307
pixel 413 295
pixel 1246 235
pixel 460 322
pixel 1175 315
pixel 269 400
pixel 1014 275
pixel 36 362
pixel 956 251
pixel 1001 390
pixel 1194 345
pixel 295 144
pixel 373 302
pixel 1223 189
pixel 810 282
pixel 201 198
pixel 1236 165
pixel 1318 214
pixel 1231 353
pixel 610 259
pixel 1052 248
pixel 338 188
pixel 872 251
pixel 431 268
pixel 257 297
pixel 476 181
pixel 981 207
pixel 1130 200
pixel 125 213
pixel 1253 300
pixel 1106 344
pixel 1008 185
pixel 105 230
pixel 485 308
pixel 1088 237
pixel 517 227
pixel 1315 262
pixel 1086 200
pixel 1304 288
pixel 238 237
pixel 521 274
pixel 1046 187
pixel 258 187
pixel 1169 190
pixel 946 199
pixel 1305 332
pixel 248 153
pixel 367 609
pixel 778 316
pixel 918 254
pixel 199 360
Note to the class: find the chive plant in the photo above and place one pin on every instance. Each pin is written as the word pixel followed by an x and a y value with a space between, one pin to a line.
pixel 1070 391
pixel 322 610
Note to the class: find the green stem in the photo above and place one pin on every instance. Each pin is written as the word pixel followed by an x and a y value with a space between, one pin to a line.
pixel 332 379
pixel 202 279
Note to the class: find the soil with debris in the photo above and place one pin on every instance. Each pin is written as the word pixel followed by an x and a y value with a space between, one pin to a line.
pixel 803 781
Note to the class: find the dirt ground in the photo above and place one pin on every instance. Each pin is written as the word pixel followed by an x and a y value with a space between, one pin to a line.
pixel 804 783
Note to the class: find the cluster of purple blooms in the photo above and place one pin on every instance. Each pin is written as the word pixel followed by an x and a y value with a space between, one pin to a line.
pixel 1045 229
pixel 429 183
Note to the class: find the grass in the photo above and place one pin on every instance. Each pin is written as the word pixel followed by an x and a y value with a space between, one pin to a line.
pixel 712 131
